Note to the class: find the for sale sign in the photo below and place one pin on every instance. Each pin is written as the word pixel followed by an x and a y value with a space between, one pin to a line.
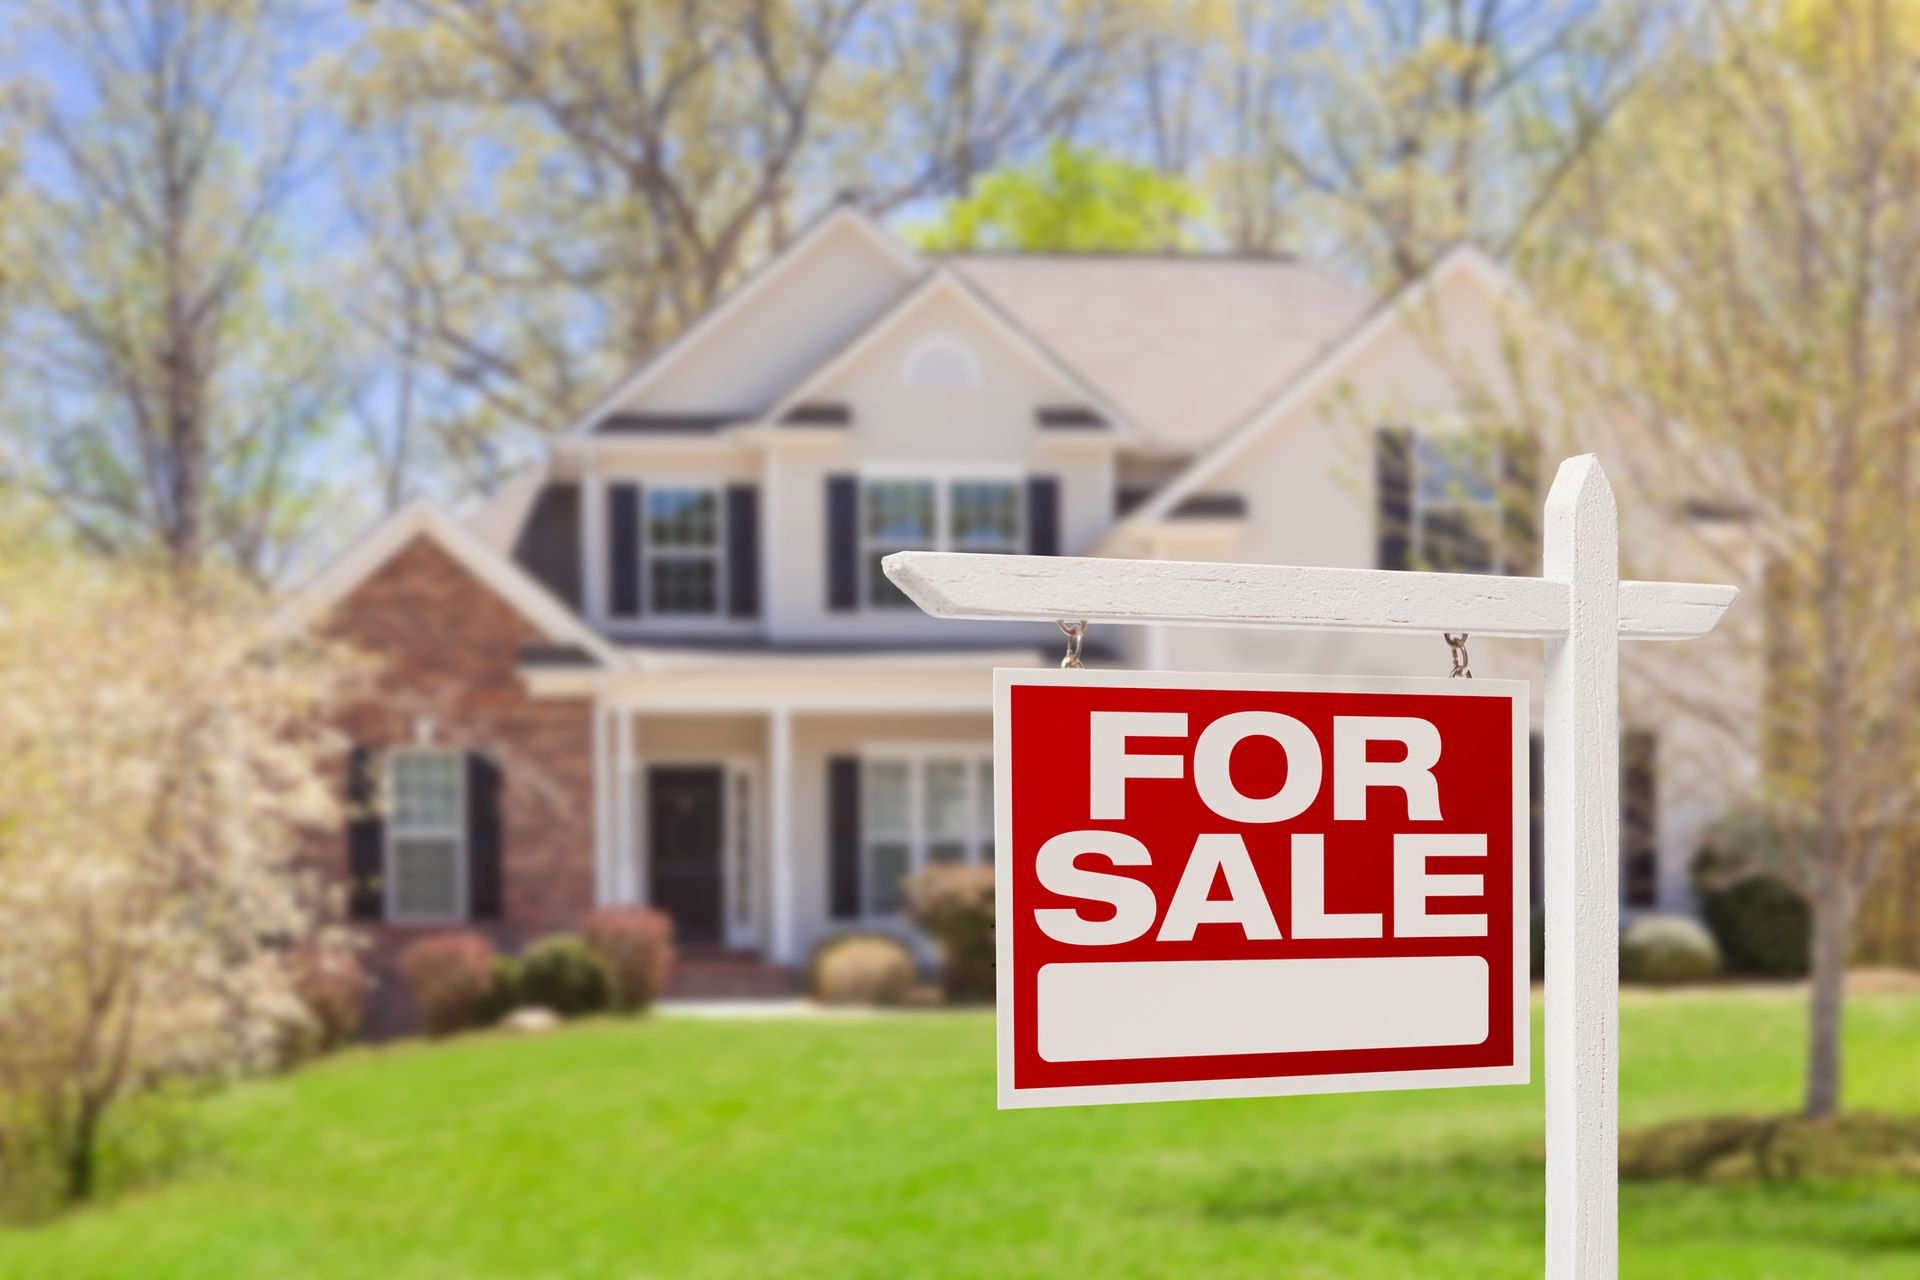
pixel 1218 886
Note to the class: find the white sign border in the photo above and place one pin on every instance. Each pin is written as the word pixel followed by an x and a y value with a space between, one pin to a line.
pixel 1518 1071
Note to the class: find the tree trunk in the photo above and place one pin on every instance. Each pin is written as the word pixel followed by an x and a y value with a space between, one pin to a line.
pixel 81 1148
pixel 1829 959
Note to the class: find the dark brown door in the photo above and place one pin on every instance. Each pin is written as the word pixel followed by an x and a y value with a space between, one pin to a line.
pixel 683 847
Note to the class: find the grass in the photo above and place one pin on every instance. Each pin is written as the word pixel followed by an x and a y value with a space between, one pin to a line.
pixel 870 1148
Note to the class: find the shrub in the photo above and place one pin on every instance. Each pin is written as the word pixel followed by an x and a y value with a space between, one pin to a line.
pixel 636 946
pixel 1537 945
pixel 563 973
pixel 955 905
pixel 331 986
pixel 862 968
pixel 503 997
pixel 450 976
pixel 1762 925
pixel 1661 949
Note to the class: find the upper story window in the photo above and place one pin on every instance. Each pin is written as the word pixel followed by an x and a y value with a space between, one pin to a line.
pixel 426 836
pixel 941 362
pixel 912 514
pixel 1456 503
pixel 682 549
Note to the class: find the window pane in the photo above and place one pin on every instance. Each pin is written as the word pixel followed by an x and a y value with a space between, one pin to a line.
pixel 684 584
pixel 1456 541
pixel 1454 470
pixel 683 518
pixel 426 789
pixel 886 876
pixel 900 512
pixel 986 515
pixel 880 588
pixel 887 811
pixel 947 851
pixel 947 813
pixel 426 877
pixel 983 806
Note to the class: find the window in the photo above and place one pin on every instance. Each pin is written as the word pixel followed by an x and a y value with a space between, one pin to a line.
pixel 682 546
pixel 941 362
pixel 426 836
pixel 972 514
pixel 920 809
pixel 1456 504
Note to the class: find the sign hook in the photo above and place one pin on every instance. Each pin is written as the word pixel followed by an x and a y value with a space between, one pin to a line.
pixel 1075 632
pixel 1458 644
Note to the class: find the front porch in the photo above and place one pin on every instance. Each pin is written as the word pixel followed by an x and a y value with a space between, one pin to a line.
pixel 770 815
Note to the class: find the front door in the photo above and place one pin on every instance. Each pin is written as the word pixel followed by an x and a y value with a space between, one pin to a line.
pixel 683 847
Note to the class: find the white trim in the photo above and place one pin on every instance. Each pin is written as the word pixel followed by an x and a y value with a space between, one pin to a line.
pixel 391 832
pixel 1314 380
pixel 505 578
pixel 695 334
pixel 782 927
pixel 1514 1071
pixel 944 281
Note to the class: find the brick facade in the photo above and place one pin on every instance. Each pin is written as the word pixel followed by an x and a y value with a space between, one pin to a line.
pixel 448 649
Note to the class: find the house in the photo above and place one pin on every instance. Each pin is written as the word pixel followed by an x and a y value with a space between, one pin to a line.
pixel 668 669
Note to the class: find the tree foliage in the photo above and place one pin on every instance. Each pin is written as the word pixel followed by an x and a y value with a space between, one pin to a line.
pixel 1071 199
pixel 165 754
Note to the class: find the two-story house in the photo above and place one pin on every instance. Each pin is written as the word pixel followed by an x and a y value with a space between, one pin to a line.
pixel 668 669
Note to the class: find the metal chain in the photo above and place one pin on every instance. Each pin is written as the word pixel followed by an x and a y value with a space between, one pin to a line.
pixel 1458 645
pixel 1075 632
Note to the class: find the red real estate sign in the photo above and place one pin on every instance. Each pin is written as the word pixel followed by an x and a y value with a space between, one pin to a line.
pixel 1218 886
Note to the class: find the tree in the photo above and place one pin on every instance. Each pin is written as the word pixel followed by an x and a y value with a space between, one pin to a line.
pixel 168 372
pixel 1734 266
pixel 165 755
pixel 552 192
pixel 1075 199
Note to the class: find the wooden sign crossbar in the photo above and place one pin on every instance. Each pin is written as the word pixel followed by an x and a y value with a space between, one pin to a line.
pixel 1581 610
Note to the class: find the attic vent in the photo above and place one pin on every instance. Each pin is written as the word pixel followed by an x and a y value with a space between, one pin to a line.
pixel 941 362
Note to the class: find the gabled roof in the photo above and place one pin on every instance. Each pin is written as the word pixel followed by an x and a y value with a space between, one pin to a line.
pixel 1186 345
pixel 691 338
pixel 944 282
pixel 1319 375
pixel 502 576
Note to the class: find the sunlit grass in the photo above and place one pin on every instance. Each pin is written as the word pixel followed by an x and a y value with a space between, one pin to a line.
pixel 870 1147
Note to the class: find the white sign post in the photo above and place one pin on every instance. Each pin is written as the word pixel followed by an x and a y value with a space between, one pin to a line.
pixel 1581 610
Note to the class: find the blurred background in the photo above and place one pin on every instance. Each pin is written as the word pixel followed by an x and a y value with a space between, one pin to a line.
pixel 472 805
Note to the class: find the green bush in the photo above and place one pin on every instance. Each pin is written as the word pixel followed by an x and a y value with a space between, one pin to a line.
pixel 636 946
pixel 954 903
pixel 1763 927
pixel 862 968
pixel 1663 949
pixel 562 973
pixel 504 996
pixel 450 976
pixel 1537 945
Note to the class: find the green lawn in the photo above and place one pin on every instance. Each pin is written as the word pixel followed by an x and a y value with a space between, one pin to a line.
pixel 870 1147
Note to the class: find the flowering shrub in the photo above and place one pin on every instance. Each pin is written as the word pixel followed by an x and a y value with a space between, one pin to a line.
pixel 636 946
pixel 451 978
pixel 331 986
pixel 955 905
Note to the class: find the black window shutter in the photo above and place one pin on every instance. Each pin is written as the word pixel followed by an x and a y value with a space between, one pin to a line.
pixel 483 837
pixel 1520 504
pixel 743 551
pixel 623 549
pixel 366 836
pixel 843 542
pixel 1393 496
pixel 1043 515
pixel 1639 818
pixel 843 836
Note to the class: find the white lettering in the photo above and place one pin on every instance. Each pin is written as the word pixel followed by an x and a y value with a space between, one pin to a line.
pixel 1353 773
pixel 1110 764
pixel 1213 777
pixel 1132 900
pixel 1413 884
pixel 1245 906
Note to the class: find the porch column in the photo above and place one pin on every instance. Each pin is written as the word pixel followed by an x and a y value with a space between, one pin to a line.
pixel 603 842
pixel 627 879
pixel 780 833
